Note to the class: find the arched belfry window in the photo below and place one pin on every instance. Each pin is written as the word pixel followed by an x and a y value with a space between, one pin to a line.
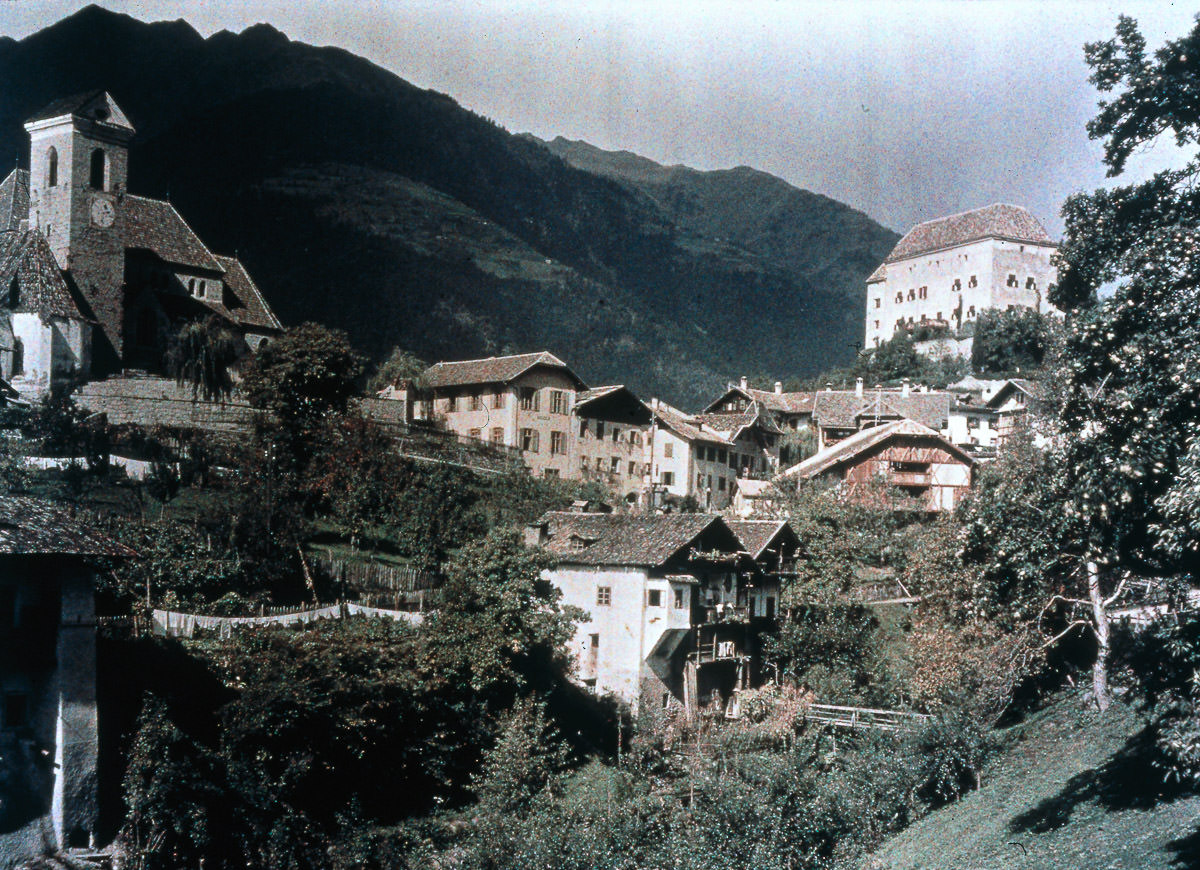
pixel 99 169
pixel 52 167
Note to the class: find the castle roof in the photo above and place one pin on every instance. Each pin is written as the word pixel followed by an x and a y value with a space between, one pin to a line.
pixel 27 263
pixel 492 370
pixel 14 199
pixel 999 221
pixel 155 225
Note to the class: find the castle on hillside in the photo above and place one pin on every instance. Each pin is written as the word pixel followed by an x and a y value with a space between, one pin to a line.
pixel 92 278
pixel 944 272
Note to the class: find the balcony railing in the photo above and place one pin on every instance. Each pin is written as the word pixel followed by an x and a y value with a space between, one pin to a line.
pixel 911 478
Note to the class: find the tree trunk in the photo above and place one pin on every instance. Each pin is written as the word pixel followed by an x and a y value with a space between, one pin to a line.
pixel 1100 668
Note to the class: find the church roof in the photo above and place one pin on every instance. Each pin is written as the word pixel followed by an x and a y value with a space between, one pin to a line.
pixel 999 221
pixel 493 370
pixel 155 225
pixel 14 199
pixel 96 105
pixel 243 302
pixel 26 259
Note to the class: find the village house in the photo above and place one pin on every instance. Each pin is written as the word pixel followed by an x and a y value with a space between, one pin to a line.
pixel 675 603
pixel 48 720
pixel 838 414
pixel 792 411
pixel 943 273
pixel 524 401
pixel 930 472
pixel 134 269
pixel 611 433
pixel 702 455
pixel 1020 405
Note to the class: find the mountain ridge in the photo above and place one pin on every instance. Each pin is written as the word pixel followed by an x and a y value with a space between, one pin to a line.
pixel 254 137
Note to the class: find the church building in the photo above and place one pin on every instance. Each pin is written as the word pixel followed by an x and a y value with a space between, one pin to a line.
pixel 944 272
pixel 130 269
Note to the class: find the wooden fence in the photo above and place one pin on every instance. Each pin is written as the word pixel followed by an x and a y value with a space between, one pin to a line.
pixel 376 576
pixel 864 718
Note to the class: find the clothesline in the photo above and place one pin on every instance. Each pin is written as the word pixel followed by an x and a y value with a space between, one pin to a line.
pixel 172 623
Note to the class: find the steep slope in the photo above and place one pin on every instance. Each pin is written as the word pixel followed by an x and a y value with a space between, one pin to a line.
pixel 1071 788
pixel 366 203
pixel 811 237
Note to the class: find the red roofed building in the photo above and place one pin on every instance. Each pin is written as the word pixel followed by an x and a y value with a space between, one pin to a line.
pixel 944 272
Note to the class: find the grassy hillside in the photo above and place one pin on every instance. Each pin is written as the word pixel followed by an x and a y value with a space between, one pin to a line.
pixel 1071 788
pixel 362 201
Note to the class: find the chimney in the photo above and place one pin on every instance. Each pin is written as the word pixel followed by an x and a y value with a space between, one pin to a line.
pixel 904 387
pixel 778 388
pixel 858 387
pixel 828 387
pixel 742 382
pixel 654 403
pixel 536 534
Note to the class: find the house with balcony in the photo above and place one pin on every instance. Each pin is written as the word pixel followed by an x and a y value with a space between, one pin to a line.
pixel 923 465
pixel 675 603
pixel 48 718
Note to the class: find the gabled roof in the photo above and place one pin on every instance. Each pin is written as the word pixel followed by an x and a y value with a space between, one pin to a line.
pixel 492 370
pixel 757 535
pixel 788 403
pixel 732 425
pixel 154 225
pixel 844 409
pixel 615 402
pixel 999 221
pixel 849 448
pixel 243 303
pixel 685 426
pixel 34 526
pixel 1032 389
pixel 14 199
pixel 648 541
pixel 95 105
pixel 750 488
pixel 26 259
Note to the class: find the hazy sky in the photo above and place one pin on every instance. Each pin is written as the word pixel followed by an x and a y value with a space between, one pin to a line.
pixel 906 110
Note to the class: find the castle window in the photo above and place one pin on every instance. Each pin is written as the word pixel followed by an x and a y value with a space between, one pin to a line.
pixel 971 311
pixel 957 284
pixel 1030 284
pixel 1012 280
pixel 52 167
pixel 899 297
pixel 973 281
pixel 99 169
pixel 877 301
pixel 14 293
pixel 18 357
pixel 912 294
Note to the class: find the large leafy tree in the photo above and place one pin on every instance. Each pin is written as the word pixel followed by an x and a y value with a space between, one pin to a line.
pixel 200 356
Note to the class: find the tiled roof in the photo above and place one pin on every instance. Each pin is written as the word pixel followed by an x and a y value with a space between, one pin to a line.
pixel 26 257
pixel 685 426
pixel 879 274
pixel 843 409
pixel 94 105
pixel 154 225
pixel 859 442
pixel 788 403
pixel 30 526
pixel 493 370
pixel 999 221
pixel 1035 390
pixel 243 302
pixel 67 105
pixel 14 199
pixel 732 425
pixel 622 539
pixel 756 535
pixel 752 488
pixel 596 393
